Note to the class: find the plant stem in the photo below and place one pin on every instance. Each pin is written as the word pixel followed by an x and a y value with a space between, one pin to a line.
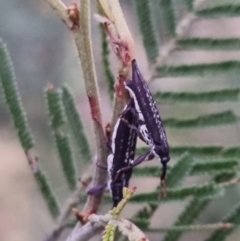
pixel 215 226
pixel 82 36
pixel 61 10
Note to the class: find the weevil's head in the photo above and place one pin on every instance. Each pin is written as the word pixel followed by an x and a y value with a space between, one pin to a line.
pixel 163 155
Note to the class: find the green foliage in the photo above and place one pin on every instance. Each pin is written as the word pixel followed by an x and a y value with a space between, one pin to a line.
pixel 168 17
pixel 179 170
pixel 201 151
pixel 215 166
pixel 183 228
pixel 57 117
pixel 143 217
pixel 209 43
pixel 189 4
pixel 65 154
pixel 144 14
pixel 232 217
pixel 201 69
pixel 75 124
pixel 201 192
pixel 17 112
pixel 209 96
pixel 109 232
pixel 13 100
pixel 55 108
pixel 222 118
pixel 194 208
pixel 47 193
pixel 192 211
pixel 222 161
pixel 196 168
pixel 226 10
pixel 208 190
pixel 175 177
pixel 142 223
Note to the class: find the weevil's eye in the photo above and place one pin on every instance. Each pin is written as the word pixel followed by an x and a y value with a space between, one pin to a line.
pixel 165 159
pixel 162 153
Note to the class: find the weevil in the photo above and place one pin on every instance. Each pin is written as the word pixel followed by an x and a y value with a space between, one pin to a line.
pixel 122 146
pixel 149 126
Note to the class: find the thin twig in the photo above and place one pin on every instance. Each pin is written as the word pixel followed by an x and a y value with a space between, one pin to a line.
pixel 85 232
pixel 80 29
pixel 123 46
pixel 82 36
pixel 215 226
pixel 71 202
pixel 59 7
pixel 96 223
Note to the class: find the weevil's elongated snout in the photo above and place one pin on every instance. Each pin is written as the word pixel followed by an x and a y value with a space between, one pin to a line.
pixel 164 171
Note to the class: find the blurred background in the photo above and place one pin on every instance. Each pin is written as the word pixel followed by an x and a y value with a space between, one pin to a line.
pixel 43 52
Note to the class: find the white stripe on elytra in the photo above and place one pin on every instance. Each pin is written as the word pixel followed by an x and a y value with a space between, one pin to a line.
pixel 115 132
pixel 135 103
pixel 109 167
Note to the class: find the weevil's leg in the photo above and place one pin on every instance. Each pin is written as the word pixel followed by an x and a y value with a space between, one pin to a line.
pixel 151 156
pixel 136 162
pixel 133 127
pixel 96 189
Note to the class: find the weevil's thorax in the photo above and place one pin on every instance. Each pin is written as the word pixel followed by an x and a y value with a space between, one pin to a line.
pixel 161 152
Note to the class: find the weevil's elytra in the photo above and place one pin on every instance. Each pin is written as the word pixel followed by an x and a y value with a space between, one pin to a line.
pixel 148 106
pixel 123 147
